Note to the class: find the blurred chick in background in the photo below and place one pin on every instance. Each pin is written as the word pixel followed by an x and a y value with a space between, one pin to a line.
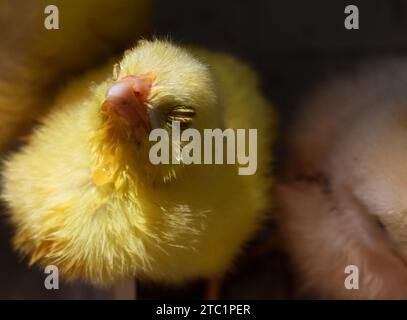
pixel 34 61
pixel 83 194
pixel 343 196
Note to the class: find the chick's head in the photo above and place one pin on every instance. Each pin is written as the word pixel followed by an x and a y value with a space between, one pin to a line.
pixel 154 85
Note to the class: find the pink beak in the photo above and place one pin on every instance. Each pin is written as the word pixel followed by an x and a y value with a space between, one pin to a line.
pixel 127 99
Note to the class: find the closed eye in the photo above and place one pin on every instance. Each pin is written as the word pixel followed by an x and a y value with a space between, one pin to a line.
pixel 181 113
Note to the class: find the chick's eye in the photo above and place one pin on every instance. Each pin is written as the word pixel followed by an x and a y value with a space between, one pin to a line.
pixel 182 114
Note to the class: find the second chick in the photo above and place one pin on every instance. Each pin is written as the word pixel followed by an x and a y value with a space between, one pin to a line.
pixel 342 197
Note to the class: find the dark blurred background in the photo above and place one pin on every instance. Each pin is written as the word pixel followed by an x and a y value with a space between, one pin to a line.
pixel 293 45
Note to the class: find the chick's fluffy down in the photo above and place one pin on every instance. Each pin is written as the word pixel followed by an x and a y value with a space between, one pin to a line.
pixel 35 61
pixel 189 227
pixel 342 201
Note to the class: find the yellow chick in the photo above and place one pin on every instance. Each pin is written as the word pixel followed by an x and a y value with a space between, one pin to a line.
pixel 342 198
pixel 84 195
pixel 34 61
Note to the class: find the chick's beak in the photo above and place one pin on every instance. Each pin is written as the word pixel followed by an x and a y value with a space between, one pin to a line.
pixel 127 100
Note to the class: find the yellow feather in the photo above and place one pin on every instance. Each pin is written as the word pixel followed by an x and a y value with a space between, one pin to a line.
pixel 90 202
pixel 35 62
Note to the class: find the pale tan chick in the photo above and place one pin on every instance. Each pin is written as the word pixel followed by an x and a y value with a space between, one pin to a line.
pixel 343 196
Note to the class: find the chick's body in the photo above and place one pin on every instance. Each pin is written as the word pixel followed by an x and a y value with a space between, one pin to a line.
pixel 343 203
pixel 99 210
pixel 35 61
